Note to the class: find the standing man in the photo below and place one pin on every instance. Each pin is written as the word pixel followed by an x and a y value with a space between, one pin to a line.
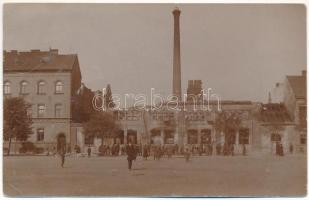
pixel 145 152
pixel 291 148
pixel 62 154
pixel 218 149
pixel 187 154
pixel 89 151
pixel 131 153
pixel 244 151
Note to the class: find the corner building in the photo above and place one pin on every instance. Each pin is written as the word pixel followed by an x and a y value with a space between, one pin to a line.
pixel 48 81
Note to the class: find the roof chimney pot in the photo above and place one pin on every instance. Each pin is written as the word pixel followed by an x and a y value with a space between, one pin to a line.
pixel 35 50
pixel 304 72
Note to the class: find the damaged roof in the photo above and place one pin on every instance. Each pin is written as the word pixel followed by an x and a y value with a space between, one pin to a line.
pixel 274 113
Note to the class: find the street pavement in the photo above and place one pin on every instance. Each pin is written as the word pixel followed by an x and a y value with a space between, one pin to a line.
pixel 202 176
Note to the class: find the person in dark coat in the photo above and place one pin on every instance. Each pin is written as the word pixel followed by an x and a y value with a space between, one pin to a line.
pixel 131 153
pixel 62 152
pixel 169 152
pixel 89 151
pixel 145 152
pixel 218 149
pixel 291 148
pixel 187 154
pixel 281 149
pixel 277 148
pixel 211 148
pixel 244 150
pixel 232 149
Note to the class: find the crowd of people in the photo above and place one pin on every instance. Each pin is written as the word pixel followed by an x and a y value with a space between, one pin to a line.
pixel 158 151
pixel 169 150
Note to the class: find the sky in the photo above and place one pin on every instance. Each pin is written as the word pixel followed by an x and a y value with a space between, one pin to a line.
pixel 240 51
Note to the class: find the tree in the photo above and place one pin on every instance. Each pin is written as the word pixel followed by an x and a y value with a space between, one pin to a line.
pixel 226 121
pixel 17 123
pixel 82 106
pixel 108 98
pixel 101 125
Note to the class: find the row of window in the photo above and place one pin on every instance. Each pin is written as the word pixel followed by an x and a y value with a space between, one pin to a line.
pixel 41 110
pixel 206 136
pixel 130 116
pixel 24 87
pixel 276 137
pixel 303 116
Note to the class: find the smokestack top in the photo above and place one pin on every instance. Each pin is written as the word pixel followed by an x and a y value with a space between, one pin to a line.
pixel 176 56
pixel 176 11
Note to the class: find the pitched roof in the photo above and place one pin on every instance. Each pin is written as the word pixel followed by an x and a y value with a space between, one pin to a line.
pixel 274 113
pixel 298 85
pixel 37 60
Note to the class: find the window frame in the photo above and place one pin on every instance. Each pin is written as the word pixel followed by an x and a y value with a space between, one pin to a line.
pixel 30 111
pixel 303 137
pixel 274 137
pixel 41 115
pixel 41 87
pixel 58 111
pixel 302 115
pixel 57 85
pixel 23 87
pixel 7 87
pixel 242 137
pixel 40 134
pixel 192 136
pixel 206 136
pixel 89 140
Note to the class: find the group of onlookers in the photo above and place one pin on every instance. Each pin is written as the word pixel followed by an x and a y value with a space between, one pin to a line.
pixel 159 151
pixel 110 150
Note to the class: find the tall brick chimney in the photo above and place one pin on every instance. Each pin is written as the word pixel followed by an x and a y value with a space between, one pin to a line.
pixel 176 56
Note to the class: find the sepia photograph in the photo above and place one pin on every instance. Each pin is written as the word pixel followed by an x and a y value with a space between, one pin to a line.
pixel 154 100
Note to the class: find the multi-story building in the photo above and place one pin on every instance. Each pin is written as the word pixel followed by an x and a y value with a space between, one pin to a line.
pixel 295 99
pixel 283 118
pixel 48 81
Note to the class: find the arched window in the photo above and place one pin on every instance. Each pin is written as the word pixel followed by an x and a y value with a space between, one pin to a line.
pixel 23 87
pixel 59 87
pixel 7 87
pixel 41 87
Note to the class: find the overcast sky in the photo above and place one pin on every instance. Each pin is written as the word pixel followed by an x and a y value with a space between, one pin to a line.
pixel 240 51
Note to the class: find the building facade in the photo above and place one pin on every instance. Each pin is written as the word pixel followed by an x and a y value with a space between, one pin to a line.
pixel 295 99
pixel 48 81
